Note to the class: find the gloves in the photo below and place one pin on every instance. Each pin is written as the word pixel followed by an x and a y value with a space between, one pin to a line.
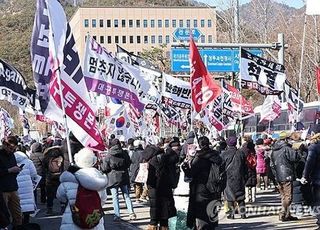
pixel 303 180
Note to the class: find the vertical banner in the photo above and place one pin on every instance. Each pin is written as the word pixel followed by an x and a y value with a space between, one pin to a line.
pixel 54 57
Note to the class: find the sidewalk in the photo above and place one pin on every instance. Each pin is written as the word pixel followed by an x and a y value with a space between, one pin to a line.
pixel 263 214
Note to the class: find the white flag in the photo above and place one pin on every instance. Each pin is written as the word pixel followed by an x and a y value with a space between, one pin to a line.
pixel 313 7
pixel 271 108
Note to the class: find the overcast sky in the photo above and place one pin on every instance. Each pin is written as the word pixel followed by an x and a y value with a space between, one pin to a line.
pixel 222 4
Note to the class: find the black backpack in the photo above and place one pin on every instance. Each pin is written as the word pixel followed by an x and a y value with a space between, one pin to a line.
pixel 217 179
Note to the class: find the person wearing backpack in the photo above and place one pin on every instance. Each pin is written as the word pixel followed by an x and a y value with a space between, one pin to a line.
pixel 251 161
pixel 206 170
pixel 76 184
pixel 236 168
pixel 53 166
pixel 162 179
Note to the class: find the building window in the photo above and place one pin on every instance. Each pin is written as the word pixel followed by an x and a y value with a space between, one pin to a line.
pixel 145 23
pixel 123 23
pixel 116 39
pixel 131 39
pixel 101 22
pixel 138 23
pixel 145 39
pixel 109 39
pixel 138 39
pixel 101 39
pixel 159 23
pixel 109 23
pixel 166 23
pixel 152 23
pixel 202 23
pixel 188 23
pixel 116 23
pixel 209 23
pixel 167 39
pixel 160 39
pixel 94 37
pixel 86 22
pixel 94 23
pixel 124 39
pixel 153 39
pixel 180 23
pixel 203 39
pixel 130 23
pixel 174 23
pixel 195 23
pixel 210 39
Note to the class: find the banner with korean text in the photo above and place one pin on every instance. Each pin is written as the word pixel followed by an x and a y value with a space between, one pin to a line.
pixel 105 74
pixel 257 73
pixel 295 104
pixel 56 64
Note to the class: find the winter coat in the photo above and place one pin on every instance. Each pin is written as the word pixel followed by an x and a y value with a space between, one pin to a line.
pixel 200 196
pixel 136 159
pixel 149 152
pixel 160 191
pixel 251 173
pixel 37 157
pixel 90 178
pixel 25 182
pixel 116 165
pixel 261 163
pixel 283 159
pixel 236 173
pixel 312 167
pixel 8 181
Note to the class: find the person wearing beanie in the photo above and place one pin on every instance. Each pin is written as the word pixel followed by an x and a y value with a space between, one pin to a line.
pixel 85 173
pixel 283 161
pixel 116 165
pixel 235 161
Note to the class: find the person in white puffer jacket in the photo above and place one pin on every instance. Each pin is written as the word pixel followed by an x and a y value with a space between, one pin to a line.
pixel 25 183
pixel 89 177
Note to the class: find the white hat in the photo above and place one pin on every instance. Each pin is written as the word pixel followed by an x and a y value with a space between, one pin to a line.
pixel 85 158
pixel 136 143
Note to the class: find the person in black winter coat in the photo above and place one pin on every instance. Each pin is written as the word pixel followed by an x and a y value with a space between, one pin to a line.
pixel 37 158
pixel 160 189
pixel 283 160
pixel 116 166
pixel 200 197
pixel 136 159
pixel 236 168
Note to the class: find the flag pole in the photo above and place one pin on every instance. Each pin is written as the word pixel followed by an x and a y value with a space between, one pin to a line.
pixel 240 88
pixel 57 72
pixel 301 64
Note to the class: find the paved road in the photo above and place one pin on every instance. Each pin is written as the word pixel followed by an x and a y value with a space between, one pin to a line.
pixel 263 214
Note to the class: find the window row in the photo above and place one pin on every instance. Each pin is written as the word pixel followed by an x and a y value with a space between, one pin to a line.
pixel 144 39
pixel 148 23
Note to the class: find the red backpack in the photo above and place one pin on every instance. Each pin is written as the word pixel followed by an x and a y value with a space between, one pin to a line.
pixel 251 161
pixel 87 210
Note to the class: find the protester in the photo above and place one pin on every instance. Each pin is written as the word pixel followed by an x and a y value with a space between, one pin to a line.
pixel 37 158
pixel 26 178
pixel 248 148
pixel 200 196
pixel 261 164
pixel 89 177
pixel 8 179
pixel 136 159
pixel 311 172
pixel 236 168
pixel 116 165
pixel 53 166
pixel 161 179
pixel 283 159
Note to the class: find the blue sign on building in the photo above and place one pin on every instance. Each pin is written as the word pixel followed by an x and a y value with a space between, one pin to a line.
pixel 216 60
pixel 183 34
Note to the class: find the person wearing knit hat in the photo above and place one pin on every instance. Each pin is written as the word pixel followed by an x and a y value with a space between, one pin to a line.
pixel 235 162
pixel 89 177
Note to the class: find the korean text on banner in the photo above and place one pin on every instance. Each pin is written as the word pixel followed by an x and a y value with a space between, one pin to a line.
pixel 113 77
pixel 203 88
pixel 54 56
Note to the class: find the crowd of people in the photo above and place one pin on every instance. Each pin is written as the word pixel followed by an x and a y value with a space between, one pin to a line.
pixel 192 176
